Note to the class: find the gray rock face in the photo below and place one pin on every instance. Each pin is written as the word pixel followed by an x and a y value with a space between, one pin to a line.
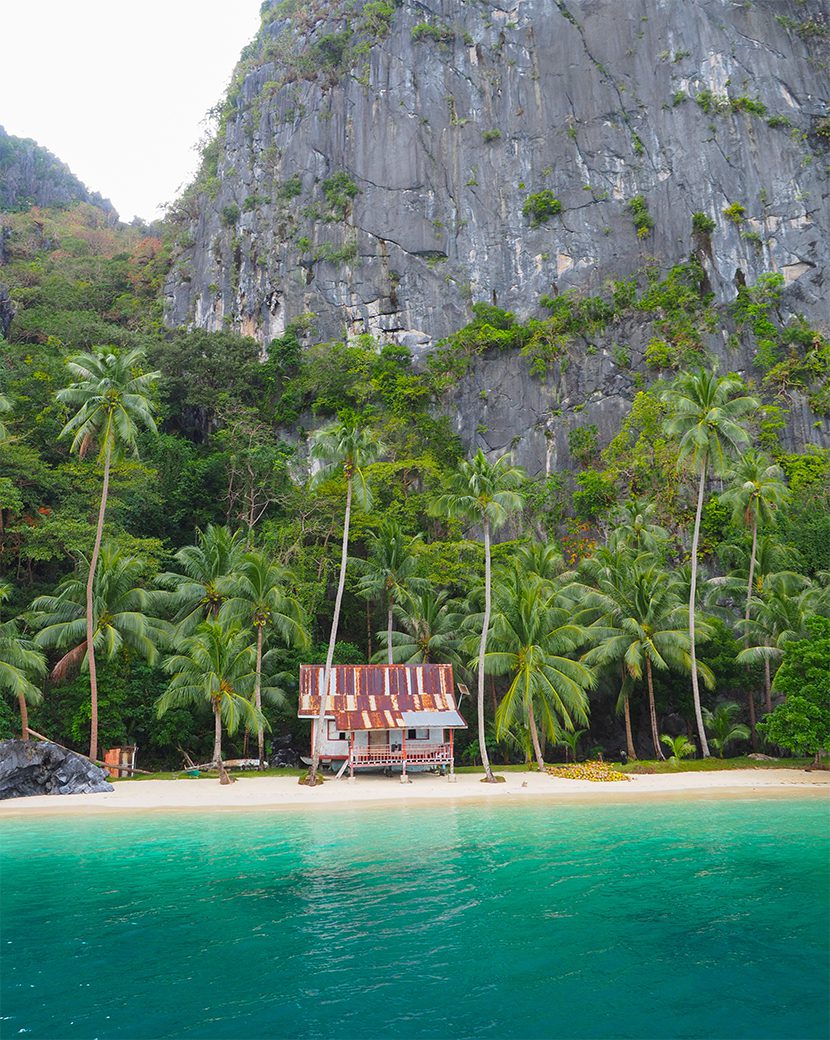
pixel 31 176
pixel 30 768
pixel 381 174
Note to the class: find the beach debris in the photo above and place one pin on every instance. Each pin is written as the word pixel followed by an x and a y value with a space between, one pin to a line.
pixel 596 772
pixel 27 768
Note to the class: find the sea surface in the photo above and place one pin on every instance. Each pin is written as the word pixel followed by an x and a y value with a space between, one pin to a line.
pixel 699 919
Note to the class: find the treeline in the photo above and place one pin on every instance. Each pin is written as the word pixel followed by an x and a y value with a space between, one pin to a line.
pixel 219 481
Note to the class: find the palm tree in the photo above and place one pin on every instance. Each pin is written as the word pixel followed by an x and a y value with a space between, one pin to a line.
pixel 21 662
pixel 5 406
pixel 389 573
pixel 540 559
pixel 532 638
pixel 259 599
pixel 706 414
pixel 206 575
pixel 113 404
pixel 721 724
pixel 340 448
pixel 779 617
pixel 120 614
pixel 483 492
pixel 680 747
pixel 215 665
pixel 430 623
pixel 640 621
pixel 571 741
pixel 635 528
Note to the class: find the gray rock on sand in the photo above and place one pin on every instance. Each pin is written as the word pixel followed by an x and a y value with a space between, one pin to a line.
pixel 33 768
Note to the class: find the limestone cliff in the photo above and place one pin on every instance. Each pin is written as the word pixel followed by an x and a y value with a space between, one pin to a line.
pixel 31 176
pixel 385 166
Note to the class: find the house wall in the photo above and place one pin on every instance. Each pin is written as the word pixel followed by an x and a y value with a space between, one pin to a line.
pixel 340 748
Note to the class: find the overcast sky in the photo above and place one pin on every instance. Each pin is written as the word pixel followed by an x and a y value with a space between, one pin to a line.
pixel 118 91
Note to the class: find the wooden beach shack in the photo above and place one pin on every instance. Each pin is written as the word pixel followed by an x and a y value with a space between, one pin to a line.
pixel 383 715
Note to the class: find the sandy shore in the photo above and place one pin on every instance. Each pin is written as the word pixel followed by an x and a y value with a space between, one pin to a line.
pixel 258 793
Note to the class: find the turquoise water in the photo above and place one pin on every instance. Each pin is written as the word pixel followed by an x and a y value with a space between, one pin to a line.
pixel 663 920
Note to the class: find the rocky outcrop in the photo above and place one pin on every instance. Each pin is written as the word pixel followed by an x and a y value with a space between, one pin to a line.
pixel 384 172
pixel 31 176
pixel 29 768
pixel 387 166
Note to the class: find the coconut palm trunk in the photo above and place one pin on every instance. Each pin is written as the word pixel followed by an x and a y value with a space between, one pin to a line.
pixel 482 649
pixel 652 712
pixel 389 631
pixel 750 695
pixel 767 685
pixel 324 696
pixel 629 737
pixel 534 736
pixel 217 743
pixel 260 733
pixel 90 618
pixel 24 717
pixel 704 746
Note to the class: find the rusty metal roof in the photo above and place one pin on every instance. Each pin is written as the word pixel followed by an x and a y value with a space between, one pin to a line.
pixel 375 696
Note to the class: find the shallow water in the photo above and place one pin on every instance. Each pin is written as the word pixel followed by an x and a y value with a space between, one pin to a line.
pixel 651 920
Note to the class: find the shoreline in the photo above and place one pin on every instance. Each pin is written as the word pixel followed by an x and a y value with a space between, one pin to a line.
pixel 258 794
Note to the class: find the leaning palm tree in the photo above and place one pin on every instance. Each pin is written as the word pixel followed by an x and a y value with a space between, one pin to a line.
pixel 640 622
pixel 706 412
pixel 121 614
pixel 534 642
pixel 260 599
pixel 215 665
pixel 204 577
pixel 340 449
pixel 486 493
pixel 22 664
pixel 723 727
pixel 389 573
pixel 113 404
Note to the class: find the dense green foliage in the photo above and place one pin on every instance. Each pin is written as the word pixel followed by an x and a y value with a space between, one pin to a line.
pixel 228 472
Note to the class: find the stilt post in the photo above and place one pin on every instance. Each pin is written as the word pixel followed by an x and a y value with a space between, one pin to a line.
pixel 403 756
pixel 351 754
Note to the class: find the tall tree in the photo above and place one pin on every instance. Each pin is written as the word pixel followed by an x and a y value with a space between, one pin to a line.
pixel 389 574
pixel 215 665
pixel 112 398
pixel 706 412
pixel 640 622
pixel 532 638
pixel 485 493
pixel 342 448
pixel 757 490
pixel 205 578
pixel 260 600
pixel 121 614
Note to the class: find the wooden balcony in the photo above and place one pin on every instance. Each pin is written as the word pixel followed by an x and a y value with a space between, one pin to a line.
pixel 416 755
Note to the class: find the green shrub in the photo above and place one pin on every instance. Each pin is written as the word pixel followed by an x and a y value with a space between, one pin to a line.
pixel 437 32
pixel 491 135
pixel 701 224
pixel 643 220
pixel 230 214
pixel 291 188
pixel 735 213
pixel 539 208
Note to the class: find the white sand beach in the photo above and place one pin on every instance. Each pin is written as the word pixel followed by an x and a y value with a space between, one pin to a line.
pixel 262 793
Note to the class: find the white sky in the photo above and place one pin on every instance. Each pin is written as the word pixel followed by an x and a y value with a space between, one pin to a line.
pixel 119 90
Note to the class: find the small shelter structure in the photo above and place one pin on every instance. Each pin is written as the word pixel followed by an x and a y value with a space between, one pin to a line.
pixel 383 715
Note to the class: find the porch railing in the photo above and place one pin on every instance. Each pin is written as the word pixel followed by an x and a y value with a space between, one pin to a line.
pixel 418 754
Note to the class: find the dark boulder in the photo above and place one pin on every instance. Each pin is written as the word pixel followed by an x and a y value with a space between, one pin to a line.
pixel 31 768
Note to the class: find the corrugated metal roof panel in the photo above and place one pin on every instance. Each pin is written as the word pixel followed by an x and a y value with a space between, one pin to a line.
pixel 447 719
pixel 368 692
